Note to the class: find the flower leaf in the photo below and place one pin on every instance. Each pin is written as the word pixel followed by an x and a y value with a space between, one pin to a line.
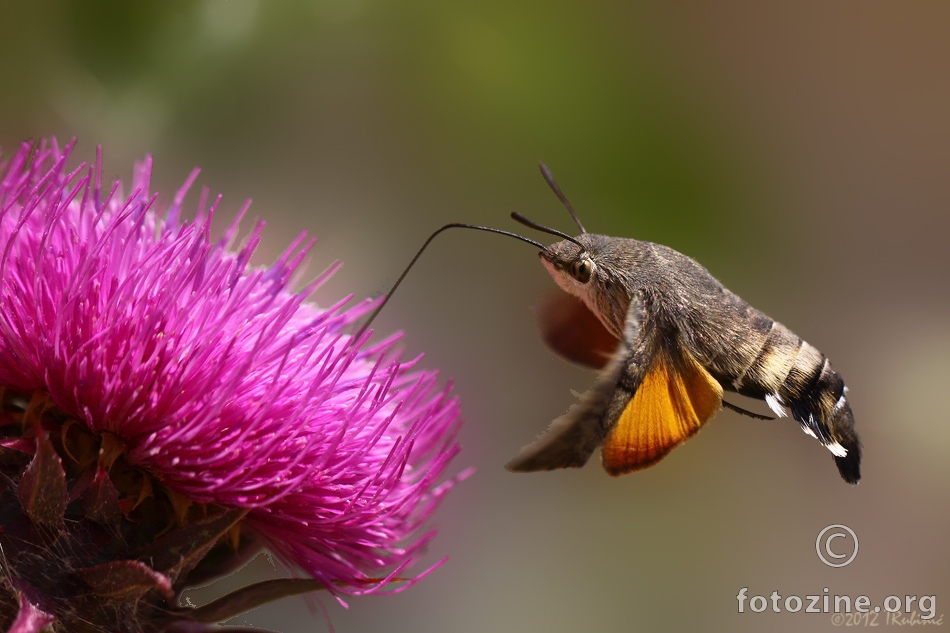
pixel 126 580
pixel 218 564
pixel 32 616
pixel 101 500
pixel 177 553
pixel 42 489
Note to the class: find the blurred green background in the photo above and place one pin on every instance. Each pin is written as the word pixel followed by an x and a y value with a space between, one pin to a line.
pixel 801 151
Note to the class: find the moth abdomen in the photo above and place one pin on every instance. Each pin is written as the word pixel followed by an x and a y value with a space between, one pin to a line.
pixel 793 376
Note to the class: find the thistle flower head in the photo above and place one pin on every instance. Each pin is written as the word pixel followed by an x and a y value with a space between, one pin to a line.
pixel 161 395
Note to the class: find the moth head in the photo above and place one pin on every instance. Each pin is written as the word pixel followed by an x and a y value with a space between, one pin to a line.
pixel 575 265
pixel 590 267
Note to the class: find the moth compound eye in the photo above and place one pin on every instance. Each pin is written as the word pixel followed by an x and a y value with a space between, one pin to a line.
pixel 582 269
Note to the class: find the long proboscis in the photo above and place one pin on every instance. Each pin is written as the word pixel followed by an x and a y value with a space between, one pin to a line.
pixel 453 225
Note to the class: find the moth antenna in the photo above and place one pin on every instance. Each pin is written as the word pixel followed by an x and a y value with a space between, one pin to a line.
pixel 517 217
pixel 454 225
pixel 549 178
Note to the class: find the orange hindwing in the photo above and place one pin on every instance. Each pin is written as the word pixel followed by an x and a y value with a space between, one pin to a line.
pixel 672 402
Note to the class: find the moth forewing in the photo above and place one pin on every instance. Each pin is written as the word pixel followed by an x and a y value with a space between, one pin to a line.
pixel 572 438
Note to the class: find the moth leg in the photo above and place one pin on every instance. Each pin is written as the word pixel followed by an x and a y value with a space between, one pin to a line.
pixel 739 409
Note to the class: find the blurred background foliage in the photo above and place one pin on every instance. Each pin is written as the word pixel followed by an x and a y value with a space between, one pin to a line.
pixel 798 150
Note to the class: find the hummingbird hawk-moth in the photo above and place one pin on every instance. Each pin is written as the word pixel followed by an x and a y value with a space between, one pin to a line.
pixel 668 339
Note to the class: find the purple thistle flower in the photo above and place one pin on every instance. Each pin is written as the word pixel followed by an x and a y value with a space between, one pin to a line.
pixel 164 373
